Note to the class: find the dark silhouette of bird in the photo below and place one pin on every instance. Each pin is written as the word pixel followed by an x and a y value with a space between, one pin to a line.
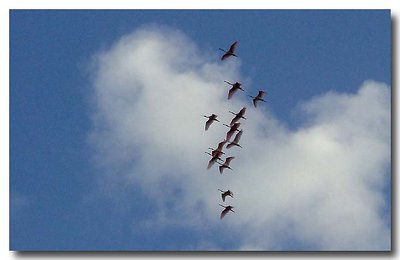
pixel 230 52
pixel 225 165
pixel 235 141
pixel 258 98
pixel 214 158
pixel 226 210
pixel 238 116
pixel 225 193
pixel 210 120
pixel 235 87
pixel 232 130
pixel 219 148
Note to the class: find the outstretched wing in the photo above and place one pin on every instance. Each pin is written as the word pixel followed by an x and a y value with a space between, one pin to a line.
pixel 221 145
pixel 208 123
pixel 229 145
pixel 229 134
pixel 233 47
pixel 223 213
pixel 242 111
pixel 238 136
pixel 255 102
pixel 211 162
pixel 228 160
pixel 235 126
pixel 231 92
pixel 226 55
pixel 234 120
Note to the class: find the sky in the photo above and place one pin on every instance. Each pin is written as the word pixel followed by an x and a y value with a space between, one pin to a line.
pixel 107 140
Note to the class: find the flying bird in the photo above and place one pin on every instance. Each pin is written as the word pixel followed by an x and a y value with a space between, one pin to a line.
pixel 210 120
pixel 231 131
pixel 235 87
pixel 225 193
pixel 225 211
pixel 235 141
pixel 238 115
pixel 214 158
pixel 219 148
pixel 259 97
pixel 230 52
pixel 226 164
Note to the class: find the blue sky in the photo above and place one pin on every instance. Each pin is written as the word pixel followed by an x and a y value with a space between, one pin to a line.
pixel 68 193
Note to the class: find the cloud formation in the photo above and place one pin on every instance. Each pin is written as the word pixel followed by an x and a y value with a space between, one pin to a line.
pixel 318 187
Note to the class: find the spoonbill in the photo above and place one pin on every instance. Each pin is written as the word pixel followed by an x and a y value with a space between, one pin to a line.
pixel 236 140
pixel 231 131
pixel 230 52
pixel 210 120
pixel 225 211
pixel 219 148
pixel 226 164
pixel 235 87
pixel 214 158
pixel 238 115
pixel 225 193
pixel 259 97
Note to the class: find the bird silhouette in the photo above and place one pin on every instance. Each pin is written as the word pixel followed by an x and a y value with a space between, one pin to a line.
pixel 225 165
pixel 238 116
pixel 214 158
pixel 225 193
pixel 210 120
pixel 230 52
pixel 235 87
pixel 235 141
pixel 231 131
pixel 258 98
pixel 225 211
pixel 219 148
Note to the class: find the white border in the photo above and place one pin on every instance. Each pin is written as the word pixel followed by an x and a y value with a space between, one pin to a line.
pixel 6 5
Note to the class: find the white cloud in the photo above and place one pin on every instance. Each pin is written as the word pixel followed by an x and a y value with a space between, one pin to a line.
pixel 320 186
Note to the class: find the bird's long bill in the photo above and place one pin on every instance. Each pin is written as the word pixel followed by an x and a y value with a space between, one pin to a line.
pixel 222 50
pixel 228 82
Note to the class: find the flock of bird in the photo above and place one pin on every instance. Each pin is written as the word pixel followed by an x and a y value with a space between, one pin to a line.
pixel 216 153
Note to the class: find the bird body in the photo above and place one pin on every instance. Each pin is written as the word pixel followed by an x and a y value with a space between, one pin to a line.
pixel 210 120
pixel 219 148
pixel 214 158
pixel 225 211
pixel 225 165
pixel 235 87
pixel 235 141
pixel 231 131
pixel 258 98
pixel 230 52
pixel 224 194
pixel 238 116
